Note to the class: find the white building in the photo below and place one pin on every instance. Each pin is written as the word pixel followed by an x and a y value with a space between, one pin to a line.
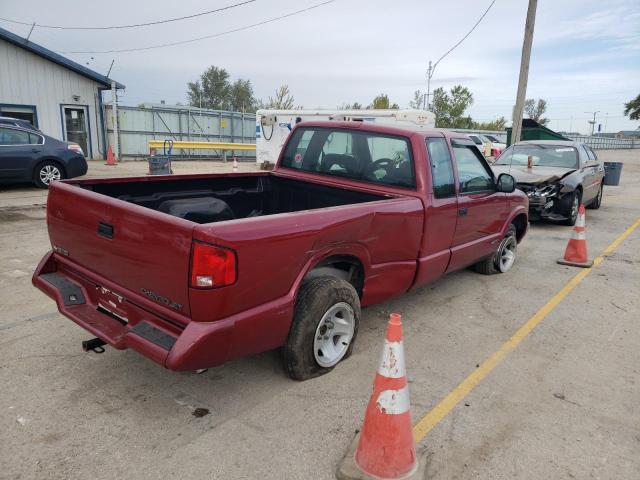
pixel 60 97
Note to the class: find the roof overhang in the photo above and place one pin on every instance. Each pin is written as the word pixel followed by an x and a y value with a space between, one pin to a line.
pixel 57 58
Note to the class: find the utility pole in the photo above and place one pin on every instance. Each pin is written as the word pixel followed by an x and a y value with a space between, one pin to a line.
pixel 427 104
pixel 516 129
pixel 593 122
pixel 114 113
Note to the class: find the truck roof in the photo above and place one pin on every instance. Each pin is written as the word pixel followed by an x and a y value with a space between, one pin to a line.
pixel 389 129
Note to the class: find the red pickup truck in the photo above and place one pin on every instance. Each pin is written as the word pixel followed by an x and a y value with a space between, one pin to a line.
pixel 193 270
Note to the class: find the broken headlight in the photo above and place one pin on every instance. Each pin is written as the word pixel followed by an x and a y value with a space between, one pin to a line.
pixel 544 191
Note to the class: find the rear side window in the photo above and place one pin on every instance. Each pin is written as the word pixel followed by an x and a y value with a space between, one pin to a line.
pixel 364 156
pixel 35 139
pixel 473 174
pixel 441 168
pixel 9 136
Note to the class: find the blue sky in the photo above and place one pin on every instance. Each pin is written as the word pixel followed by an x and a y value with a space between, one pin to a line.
pixel 586 54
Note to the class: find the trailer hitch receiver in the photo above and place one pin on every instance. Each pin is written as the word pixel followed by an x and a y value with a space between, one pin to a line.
pixel 94 345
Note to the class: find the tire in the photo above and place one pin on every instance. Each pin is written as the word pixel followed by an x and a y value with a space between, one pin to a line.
pixel 572 216
pixel 320 302
pixel 595 204
pixel 46 172
pixel 503 258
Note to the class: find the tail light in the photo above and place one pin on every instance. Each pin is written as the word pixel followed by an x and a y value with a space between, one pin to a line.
pixel 212 266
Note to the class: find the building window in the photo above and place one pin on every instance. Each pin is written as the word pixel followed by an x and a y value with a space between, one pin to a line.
pixel 22 112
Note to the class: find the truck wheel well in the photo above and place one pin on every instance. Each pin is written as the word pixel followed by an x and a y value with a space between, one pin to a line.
pixel 342 266
pixel 520 222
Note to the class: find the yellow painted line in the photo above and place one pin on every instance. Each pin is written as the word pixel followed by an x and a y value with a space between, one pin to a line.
pixel 442 409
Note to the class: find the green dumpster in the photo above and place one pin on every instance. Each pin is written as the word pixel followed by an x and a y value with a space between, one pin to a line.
pixel 532 130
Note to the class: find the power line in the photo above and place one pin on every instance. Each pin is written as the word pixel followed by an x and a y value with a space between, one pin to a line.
pixel 134 25
pixel 215 35
pixel 432 68
pixel 465 37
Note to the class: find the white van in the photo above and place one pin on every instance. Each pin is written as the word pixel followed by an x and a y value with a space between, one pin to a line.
pixel 273 126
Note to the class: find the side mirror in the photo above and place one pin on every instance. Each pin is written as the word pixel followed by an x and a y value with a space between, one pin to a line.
pixel 506 183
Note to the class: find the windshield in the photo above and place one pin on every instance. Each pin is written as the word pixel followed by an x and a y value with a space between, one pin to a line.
pixel 365 156
pixel 541 155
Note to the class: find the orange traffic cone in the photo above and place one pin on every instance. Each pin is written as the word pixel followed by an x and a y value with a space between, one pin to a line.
pixel 385 445
pixel 235 164
pixel 576 253
pixel 111 160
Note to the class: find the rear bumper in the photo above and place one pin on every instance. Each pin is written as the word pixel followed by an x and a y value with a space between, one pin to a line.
pixel 125 321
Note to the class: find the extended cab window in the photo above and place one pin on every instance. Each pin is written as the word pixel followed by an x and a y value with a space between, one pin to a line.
pixel 473 173
pixel 366 156
pixel 444 184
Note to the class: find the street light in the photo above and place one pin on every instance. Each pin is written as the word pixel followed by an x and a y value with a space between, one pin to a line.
pixel 593 122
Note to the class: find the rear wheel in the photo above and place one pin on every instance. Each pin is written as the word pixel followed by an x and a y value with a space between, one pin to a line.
pixel 598 200
pixel 504 257
pixel 324 327
pixel 47 172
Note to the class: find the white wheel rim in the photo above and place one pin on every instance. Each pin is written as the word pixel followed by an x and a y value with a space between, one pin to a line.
pixel 507 254
pixel 49 173
pixel 334 334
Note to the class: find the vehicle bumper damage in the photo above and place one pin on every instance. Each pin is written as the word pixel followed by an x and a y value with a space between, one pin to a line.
pixel 549 198
pixel 125 320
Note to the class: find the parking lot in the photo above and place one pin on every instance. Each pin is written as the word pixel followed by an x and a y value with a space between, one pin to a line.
pixel 558 400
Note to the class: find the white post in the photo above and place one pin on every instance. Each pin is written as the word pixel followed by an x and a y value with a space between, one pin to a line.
pixel 114 113
pixel 516 128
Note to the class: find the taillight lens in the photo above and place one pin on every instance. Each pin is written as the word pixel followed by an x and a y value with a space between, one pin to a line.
pixel 212 266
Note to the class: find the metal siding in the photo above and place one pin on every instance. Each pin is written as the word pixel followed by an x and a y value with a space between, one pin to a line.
pixel 26 78
pixel 138 125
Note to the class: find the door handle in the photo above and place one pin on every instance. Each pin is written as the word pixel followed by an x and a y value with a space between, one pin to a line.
pixel 462 212
pixel 35 150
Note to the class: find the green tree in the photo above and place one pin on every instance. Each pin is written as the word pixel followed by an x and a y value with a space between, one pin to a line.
pixel 418 100
pixel 214 90
pixel 351 106
pixel 381 102
pixel 497 124
pixel 536 110
pixel 632 108
pixel 450 107
pixel 211 90
pixel 283 100
pixel 241 97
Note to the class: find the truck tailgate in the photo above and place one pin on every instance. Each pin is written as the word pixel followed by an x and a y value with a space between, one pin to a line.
pixel 142 251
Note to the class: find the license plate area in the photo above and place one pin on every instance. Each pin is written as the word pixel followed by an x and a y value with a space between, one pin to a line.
pixel 112 304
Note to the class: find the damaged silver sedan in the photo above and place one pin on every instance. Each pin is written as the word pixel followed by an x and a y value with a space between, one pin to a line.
pixel 556 175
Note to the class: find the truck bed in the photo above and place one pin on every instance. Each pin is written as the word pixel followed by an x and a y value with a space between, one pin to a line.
pixel 200 199
pixel 120 266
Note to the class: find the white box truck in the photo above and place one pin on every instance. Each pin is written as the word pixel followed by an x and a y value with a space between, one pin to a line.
pixel 273 126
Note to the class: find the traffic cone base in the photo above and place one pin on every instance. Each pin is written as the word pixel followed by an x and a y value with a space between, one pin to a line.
pixel 588 264
pixel 349 469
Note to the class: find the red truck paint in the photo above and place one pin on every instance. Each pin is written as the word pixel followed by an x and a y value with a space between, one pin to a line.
pixel 404 241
